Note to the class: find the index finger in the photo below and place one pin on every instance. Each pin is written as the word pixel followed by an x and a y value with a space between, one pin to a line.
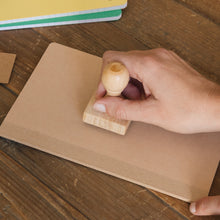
pixel 101 92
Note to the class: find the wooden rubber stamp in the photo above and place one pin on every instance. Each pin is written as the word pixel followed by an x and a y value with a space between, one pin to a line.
pixel 115 78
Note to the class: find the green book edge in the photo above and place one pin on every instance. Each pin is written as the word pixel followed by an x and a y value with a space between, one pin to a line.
pixel 89 16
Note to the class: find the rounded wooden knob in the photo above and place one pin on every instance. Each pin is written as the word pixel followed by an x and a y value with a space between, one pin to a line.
pixel 115 78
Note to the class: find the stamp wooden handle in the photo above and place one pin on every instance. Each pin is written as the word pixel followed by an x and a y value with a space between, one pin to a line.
pixel 115 78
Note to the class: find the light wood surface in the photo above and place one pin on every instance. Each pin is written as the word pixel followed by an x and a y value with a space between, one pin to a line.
pixel 115 78
pixel 36 185
pixel 103 120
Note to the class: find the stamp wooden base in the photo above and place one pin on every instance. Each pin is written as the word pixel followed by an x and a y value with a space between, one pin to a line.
pixel 102 120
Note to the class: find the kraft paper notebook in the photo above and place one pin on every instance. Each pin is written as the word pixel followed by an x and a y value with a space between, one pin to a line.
pixel 47 116
pixel 6 64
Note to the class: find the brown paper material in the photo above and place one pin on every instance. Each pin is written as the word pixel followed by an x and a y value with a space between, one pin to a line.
pixel 6 65
pixel 48 116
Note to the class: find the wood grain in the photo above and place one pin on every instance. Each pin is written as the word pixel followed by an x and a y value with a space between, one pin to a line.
pixel 35 185
pixel 7 210
pixel 7 99
pixel 29 196
pixel 209 9
pixel 29 47
pixel 92 192
pixel 170 25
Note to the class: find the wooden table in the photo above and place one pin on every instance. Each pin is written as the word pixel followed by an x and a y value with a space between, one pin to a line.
pixel 36 185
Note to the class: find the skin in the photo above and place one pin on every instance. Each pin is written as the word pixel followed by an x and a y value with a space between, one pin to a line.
pixel 165 91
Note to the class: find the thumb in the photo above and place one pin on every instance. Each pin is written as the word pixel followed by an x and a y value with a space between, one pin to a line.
pixel 135 110
pixel 206 206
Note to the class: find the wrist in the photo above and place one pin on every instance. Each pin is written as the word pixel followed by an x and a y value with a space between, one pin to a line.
pixel 214 110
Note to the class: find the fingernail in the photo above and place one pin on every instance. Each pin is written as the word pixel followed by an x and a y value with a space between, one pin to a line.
pixel 99 107
pixel 192 207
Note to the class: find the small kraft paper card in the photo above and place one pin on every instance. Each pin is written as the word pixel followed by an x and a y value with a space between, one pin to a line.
pixel 6 64
pixel 48 113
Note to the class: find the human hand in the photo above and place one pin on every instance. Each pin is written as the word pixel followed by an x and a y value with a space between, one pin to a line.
pixel 206 206
pixel 169 93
